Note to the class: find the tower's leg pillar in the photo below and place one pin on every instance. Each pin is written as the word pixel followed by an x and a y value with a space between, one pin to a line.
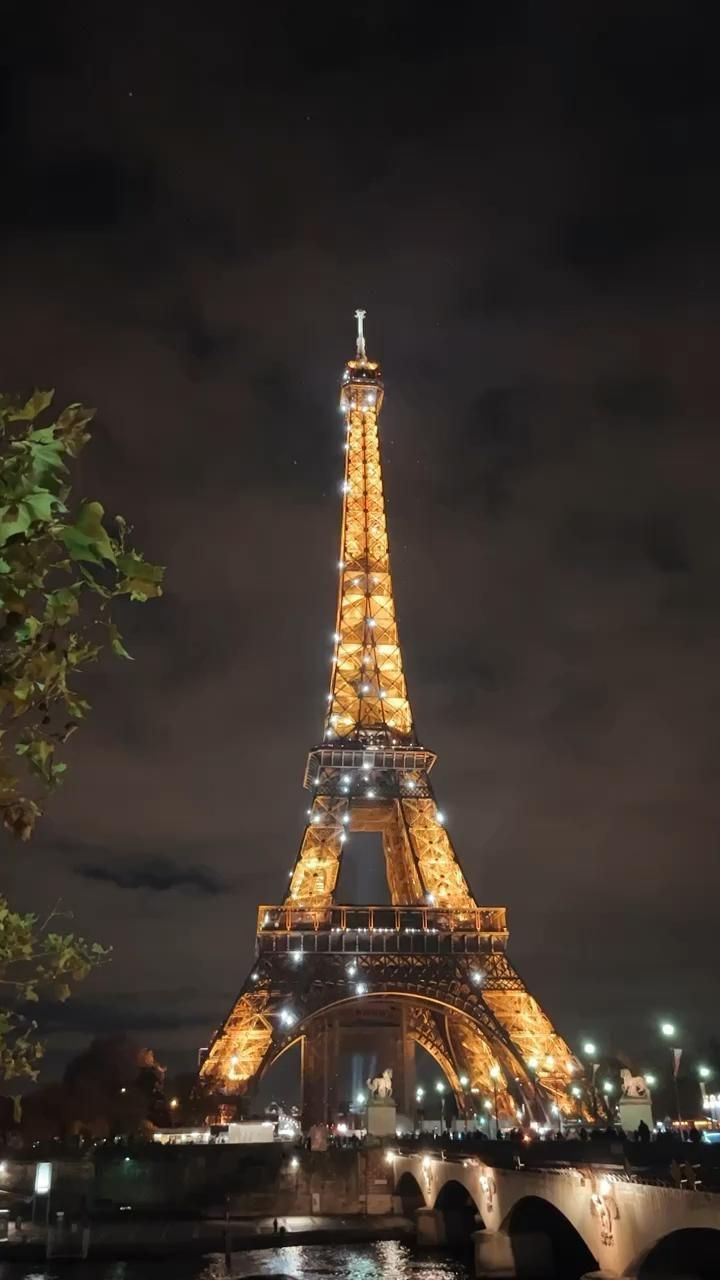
pixel 320 1049
pixel 313 1075
pixel 406 1057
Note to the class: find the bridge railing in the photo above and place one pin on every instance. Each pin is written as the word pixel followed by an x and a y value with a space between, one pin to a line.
pixel 396 929
pixel 656 1163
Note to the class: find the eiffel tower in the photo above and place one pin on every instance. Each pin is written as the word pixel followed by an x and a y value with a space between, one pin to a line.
pixel 430 969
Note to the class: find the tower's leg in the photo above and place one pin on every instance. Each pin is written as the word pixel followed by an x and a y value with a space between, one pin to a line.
pixel 320 1072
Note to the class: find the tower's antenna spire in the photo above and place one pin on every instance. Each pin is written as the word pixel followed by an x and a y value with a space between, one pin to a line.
pixel 360 316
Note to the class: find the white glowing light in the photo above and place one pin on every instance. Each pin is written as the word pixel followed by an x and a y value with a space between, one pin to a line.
pixel 476 976
pixel 294 1163
pixel 440 1087
pixel 419 1094
pixel 464 1081
pixel 346 818
pixel 494 1072
pixel 440 817
pixel 346 779
pixel 360 989
pixel 370 795
pixel 360 1099
pixel 288 1017
pixel 297 957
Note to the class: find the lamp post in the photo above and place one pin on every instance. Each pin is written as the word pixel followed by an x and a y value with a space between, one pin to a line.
pixel 668 1030
pixel 419 1095
pixel 704 1074
pixel 495 1076
pixel 440 1088
pixel 591 1053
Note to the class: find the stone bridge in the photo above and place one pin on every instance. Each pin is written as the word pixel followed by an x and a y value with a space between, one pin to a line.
pixel 571 1221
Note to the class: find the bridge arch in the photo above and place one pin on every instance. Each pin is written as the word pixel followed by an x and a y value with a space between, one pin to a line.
pixel 460 1213
pixel 541 1235
pixel 410 1194
pixel 691 1253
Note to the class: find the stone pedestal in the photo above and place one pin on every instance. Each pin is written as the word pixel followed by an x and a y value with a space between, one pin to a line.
pixel 381 1117
pixel 498 1257
pixel 493 1255
pixel 632 1110
pixel 430 1227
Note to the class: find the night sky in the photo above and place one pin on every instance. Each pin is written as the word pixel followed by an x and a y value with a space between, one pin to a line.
pixel 526 200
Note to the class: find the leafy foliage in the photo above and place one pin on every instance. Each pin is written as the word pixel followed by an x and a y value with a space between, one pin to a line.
pixel 61 568
pixel 36 962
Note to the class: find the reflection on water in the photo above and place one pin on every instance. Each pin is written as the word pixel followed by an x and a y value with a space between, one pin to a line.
pixel 387 1258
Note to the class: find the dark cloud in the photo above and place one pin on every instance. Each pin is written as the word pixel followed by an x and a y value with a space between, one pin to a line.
pixel 527 203
pixel 157 874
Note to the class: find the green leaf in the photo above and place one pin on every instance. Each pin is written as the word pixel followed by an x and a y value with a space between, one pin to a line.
pixel 143 580
pixel 28 629
pixel 14 518
pixel 87 539
pixel 62 604
pixel 71 425
pixel 39 400
pixel 40 753
pixel 116 643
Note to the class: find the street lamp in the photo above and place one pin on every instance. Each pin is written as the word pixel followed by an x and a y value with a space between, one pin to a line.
pixel 704 1072
pixel 589 1049
pixel 667 1029
pixel 360 1100
pixel 650 1078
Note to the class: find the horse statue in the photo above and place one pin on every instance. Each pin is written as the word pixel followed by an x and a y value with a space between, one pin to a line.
pixel 634 1086
pixel 381 1086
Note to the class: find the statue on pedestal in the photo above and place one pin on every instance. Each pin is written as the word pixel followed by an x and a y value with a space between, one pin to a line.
pixel 381 1086
pixel 634 1086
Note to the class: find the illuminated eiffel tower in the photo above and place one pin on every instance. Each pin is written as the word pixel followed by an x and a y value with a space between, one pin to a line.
pixel 430 969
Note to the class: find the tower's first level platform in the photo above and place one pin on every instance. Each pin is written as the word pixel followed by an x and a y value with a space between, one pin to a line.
pixel 386 929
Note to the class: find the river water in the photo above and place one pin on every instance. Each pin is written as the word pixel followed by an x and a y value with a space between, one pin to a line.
pixel 386 1258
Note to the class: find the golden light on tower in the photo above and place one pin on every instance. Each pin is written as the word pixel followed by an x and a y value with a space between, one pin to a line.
pixel 434 951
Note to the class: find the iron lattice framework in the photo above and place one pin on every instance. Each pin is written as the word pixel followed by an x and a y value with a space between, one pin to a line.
pixel 434 950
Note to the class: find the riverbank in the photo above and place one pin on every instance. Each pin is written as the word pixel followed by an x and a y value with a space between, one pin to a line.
pixel 167 1237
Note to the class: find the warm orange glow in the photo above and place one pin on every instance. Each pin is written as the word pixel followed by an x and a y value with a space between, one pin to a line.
pixel 434 948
